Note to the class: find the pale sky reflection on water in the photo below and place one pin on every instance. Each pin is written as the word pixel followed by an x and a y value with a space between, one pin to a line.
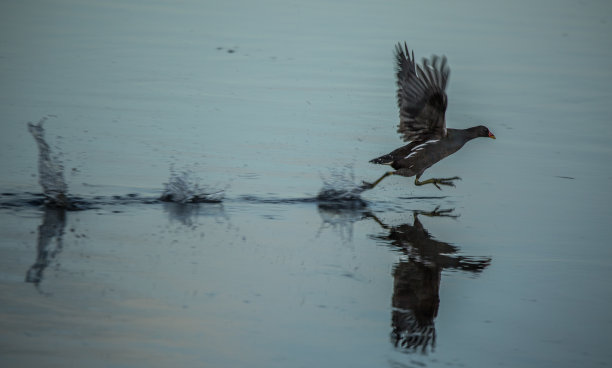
pixel 263 99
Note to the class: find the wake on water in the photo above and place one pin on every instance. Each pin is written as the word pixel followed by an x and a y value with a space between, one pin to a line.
pixel 339 188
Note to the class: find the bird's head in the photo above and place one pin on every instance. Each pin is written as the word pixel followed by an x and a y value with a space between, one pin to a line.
pixel 483 131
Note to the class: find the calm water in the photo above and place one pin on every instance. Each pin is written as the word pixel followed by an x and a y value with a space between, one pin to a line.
pixel 268 101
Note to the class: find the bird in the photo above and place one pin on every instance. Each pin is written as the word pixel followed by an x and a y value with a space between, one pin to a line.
pixel 422 101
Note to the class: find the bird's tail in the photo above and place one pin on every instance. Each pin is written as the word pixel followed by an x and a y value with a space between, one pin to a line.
pixel 383 160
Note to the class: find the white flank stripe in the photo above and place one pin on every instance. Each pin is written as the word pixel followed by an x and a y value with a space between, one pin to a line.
pixel 421 146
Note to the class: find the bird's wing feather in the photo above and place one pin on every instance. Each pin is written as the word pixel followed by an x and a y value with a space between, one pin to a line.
pixel 421 96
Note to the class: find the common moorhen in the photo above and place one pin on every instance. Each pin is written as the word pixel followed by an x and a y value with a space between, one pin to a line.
pixel 422 103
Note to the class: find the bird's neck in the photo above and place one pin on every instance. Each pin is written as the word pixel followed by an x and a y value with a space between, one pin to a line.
pixel 463 134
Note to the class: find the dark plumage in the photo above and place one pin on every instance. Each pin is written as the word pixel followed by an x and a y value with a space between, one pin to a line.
pixel 422 103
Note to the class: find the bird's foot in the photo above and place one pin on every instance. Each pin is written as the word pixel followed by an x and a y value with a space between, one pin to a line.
pixel 437 212
pixel 438 181
pixel 445 181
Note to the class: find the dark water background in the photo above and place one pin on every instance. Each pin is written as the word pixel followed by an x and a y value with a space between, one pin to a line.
pixel 267 101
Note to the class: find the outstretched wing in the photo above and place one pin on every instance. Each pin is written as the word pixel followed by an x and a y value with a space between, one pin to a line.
pixel 420 96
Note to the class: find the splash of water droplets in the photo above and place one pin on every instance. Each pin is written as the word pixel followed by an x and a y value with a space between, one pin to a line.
pixel 340 186
pixel 184 187
pixel 50 168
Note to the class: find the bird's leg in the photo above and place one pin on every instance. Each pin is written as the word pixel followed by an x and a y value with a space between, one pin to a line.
pixel 436 181
pixel 367 185
pixel 373 217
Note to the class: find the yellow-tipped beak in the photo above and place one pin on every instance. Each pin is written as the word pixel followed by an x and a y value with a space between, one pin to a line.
pixel 491 135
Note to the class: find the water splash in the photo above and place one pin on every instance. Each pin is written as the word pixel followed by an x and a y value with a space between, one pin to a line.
pixel 184 187
pixel 340 186
pixel 50 168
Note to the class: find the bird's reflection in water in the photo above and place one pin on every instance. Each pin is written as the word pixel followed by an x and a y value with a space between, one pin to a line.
pixel 50 234
pixel 416 285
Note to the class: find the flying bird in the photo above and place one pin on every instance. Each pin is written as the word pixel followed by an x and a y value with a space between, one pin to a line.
pixel 422 103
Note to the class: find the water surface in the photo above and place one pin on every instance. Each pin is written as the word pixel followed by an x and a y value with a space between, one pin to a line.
pixel 268 103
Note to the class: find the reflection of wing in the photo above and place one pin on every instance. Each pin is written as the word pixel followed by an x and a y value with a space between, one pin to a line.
pixel 416 287
pixel 420 96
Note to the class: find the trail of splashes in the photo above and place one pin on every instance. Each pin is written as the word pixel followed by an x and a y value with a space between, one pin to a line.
pixel 50 169
pixel 183 187
pixel 340 186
